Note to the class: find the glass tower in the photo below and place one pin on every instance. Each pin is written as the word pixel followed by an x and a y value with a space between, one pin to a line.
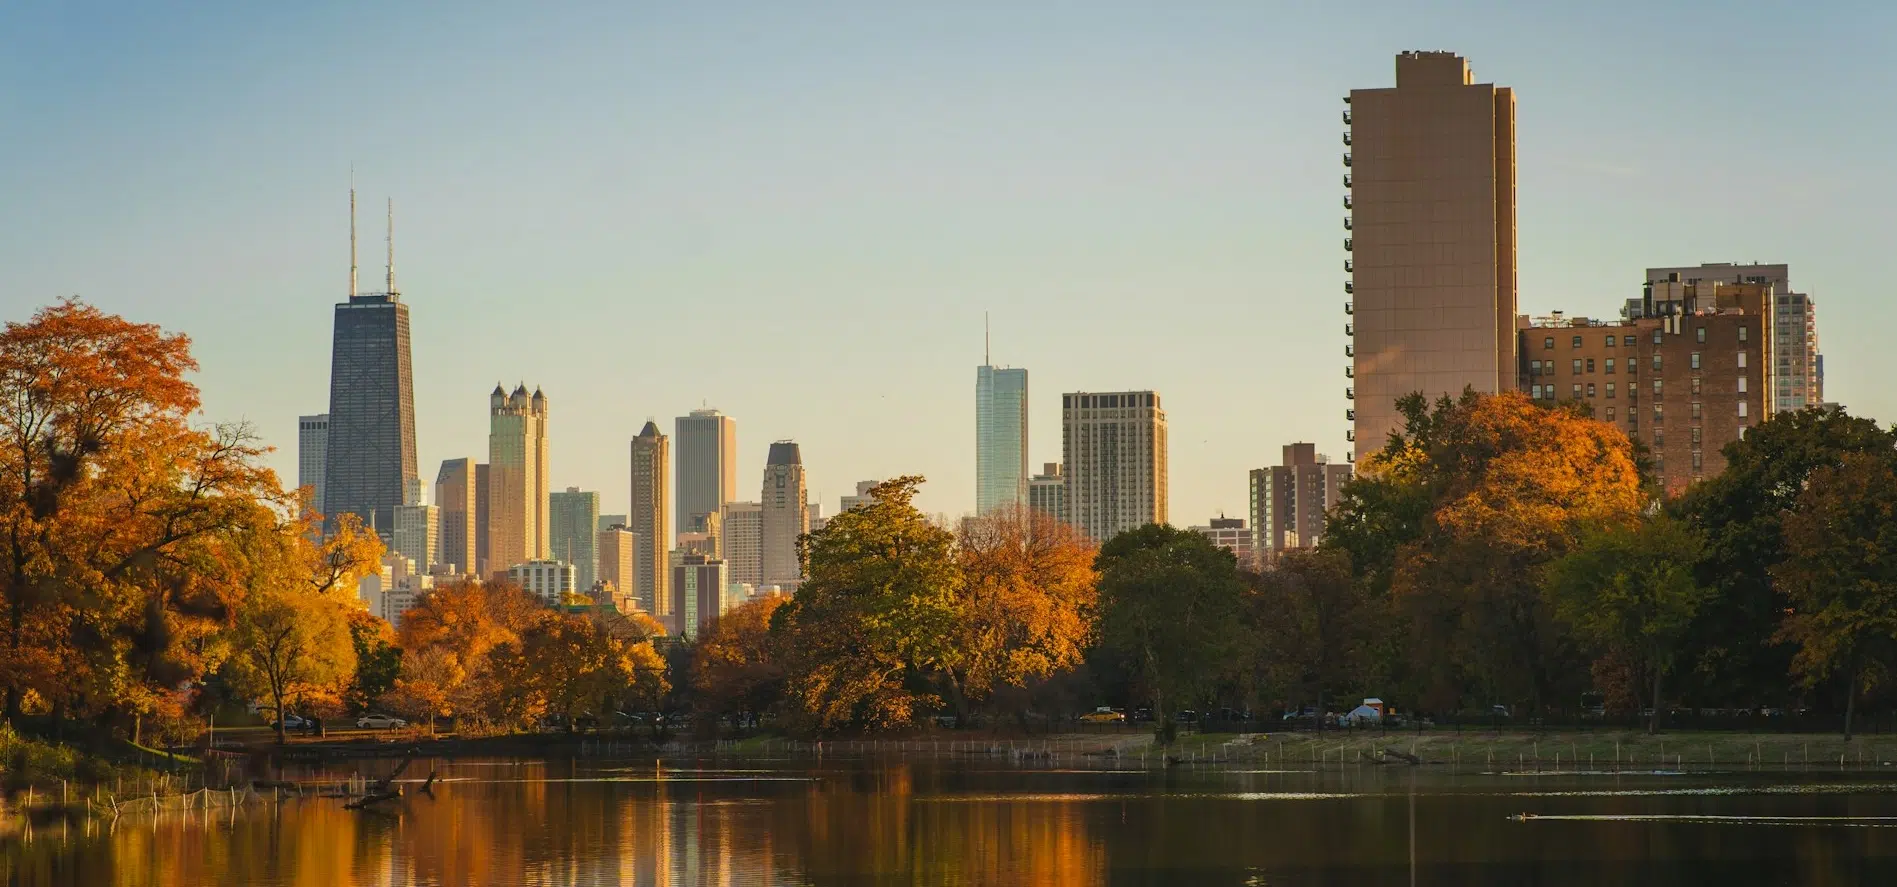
pixel 1001 437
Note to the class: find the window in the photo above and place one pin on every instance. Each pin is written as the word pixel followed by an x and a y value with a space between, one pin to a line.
pixel 1610 340
pixel 1656 388
pixel 1633 421
pixel 1742 409
pixel 1696 411
pixel 1742 360
pixel 1577 366
pixel 1695 384
pixel 1656 414
pixel 1534 368
pixel 1659 438
pixel 1590 389
pixel 1547 344
pixel 1590 364
pixel 1695 360
pixel 1610 391
pixel 1696 435
pixel 1742 333
pixel 1534 391
pixel 1610 366
pixel 1699 335
pixel 1610 412
pixel 1577 391
pixel 1696 465
pixel 1576 343
pixel 1656 335
pixel 1742 384
pixel 1656 360
pixel 1629 343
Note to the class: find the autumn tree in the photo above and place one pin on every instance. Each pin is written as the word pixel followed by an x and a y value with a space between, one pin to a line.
pixel 1840 575
pixel 736 669
pixel 561 665
pixel 117 517
pixel 1739 653
pixel 1171 609
pixel 446 639
pixel 873 624
pixel 1629 591
pixel 378 662
pixel 1463 508
pixel 1024 606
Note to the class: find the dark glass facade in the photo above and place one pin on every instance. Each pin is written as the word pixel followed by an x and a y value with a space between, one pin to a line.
pixel 371 460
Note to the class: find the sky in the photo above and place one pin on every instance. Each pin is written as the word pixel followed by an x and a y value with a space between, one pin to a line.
pixel 800 213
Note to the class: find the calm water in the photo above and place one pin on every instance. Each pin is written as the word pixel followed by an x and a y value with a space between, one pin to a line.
pixel 866 822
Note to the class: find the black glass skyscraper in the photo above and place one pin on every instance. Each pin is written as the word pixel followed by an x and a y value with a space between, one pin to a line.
pixel 371 461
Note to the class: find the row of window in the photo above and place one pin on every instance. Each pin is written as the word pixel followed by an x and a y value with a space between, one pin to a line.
pixel 1546 368
pixel 1699 335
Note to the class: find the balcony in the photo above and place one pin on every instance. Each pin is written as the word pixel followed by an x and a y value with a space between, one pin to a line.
pixel 1350 371
pixel 1346 180
pixel 1350 267
pixel 1346 201
pixel 1346 223
pixel 1347 247
pixel 1350 351
pixel 1346 158
pixel 1350 329
pixel 1346 101
pixel 1346 113
pixel 1350 434
pixel 1350 308
pixel 1350 393
pixel 1351 457
pixel 1350 415
pixel 1350 287
pixel 1346 136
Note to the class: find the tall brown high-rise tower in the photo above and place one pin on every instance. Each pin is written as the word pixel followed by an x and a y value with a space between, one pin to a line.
pixel 1429 238
pixel 651 520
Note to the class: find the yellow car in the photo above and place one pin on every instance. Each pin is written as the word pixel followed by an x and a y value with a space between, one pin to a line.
pixel 1103 715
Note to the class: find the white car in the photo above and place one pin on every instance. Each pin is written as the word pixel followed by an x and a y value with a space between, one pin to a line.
pixel 380 722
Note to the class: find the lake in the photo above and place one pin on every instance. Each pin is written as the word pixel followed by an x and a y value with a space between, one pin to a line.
pixel 858 820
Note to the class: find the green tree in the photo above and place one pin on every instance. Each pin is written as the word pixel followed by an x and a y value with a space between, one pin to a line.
pixel 873 623
pixel 1629 591
pixel 1172 612
pixel 1840 574
pixel 1317 625
pixel 1739 653
pixel 378 662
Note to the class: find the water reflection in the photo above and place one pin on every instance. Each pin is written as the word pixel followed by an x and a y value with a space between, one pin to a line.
pixel 619 822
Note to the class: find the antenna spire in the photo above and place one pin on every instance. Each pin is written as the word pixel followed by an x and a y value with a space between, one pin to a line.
pixel 984 340
pixel 352 231
pixel 392 246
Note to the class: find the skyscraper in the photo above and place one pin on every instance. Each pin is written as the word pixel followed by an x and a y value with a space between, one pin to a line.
pixel 312 447
pixel 370 458
pixel 862 497
pixel 1047 492
pixel 1114 446
pixel 517 478
pixel 784 516
pixel 741 540
pixel 416 533
pixel 699 584
pixel 617 560
pixel 1429 178
pixel 455 494
pixel 707 466
pixel 651 519
pixel 1001 437
pixel 1798 368
pixel 1289 501
pixel 481 488
pixel 572 527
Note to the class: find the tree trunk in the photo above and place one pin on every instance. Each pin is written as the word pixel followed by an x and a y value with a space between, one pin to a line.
pixel 1850 703
pixel 1653 720
pixel 276 695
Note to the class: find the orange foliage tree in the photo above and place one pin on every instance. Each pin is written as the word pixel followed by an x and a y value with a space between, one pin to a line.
pixel 735 668
pixel 446 639
pixel 1024 607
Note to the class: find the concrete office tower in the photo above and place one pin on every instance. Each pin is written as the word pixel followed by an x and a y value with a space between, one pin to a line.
pixel 698 583
pixel 1798 368
pixel 548 580
pixel 618 566
pixel 573 527
pixel 785 516
pixel 707 466
pixel 312 447
pixel 455 494
pixel 1114 446
pixel 1429 239
pixel 1289 501
pixel 1001 437
pixel 1230 534
pixel 417 533
pixel 370 458
pixel 1047 492
pixel 741 541
pixel 861 498
pixel 517 478
pixel 1688 373
pixel 651 519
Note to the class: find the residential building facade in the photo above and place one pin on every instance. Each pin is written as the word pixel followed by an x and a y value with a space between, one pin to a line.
pixel 1289 501
pixel 1114 449
pixel 742 540
pixel 1230 534
pixel 417 533
pixel 1797 366
pixel 312 449
pixel 699 584
pixel 548 580
pixel 1047 492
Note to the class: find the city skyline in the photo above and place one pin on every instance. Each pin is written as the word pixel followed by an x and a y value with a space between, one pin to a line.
pixel 1221 200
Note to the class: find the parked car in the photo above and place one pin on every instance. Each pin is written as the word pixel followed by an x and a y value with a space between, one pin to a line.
pixel 1103 715
pixel 380 722
pixel 294 722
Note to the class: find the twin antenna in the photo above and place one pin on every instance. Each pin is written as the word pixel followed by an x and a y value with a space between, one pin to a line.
pixel 352 240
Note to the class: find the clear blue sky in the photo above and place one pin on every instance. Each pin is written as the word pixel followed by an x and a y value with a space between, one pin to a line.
pixel 799 216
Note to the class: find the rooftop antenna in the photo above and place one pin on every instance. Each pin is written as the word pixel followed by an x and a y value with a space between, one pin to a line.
pixel 391 238
pixel 984 340
pixel 352 231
